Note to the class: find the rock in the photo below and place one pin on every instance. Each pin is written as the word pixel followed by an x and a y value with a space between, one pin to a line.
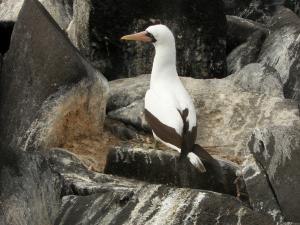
pixel 157 204
pixel 76 176
pixel 133 114
pixel 245 54
pixel 259 78
pixel 120 130
pixel 226 116
pixel 282 53
pixel 200 40
pixel 49 92
pixel 260 11
pixel 164 167
pixel 123 92
pixel 261 195
pixel 60 10
pixel 276 149
pixel 30 192
pixel 240 29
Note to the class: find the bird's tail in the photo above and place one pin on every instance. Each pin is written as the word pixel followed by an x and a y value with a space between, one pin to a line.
pixel 194 157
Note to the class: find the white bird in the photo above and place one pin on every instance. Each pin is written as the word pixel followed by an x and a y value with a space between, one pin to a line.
pixel 169 108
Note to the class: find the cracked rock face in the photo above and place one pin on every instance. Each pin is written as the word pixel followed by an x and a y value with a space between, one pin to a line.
pixel 276 149
pixel 156 204
pixel 46 86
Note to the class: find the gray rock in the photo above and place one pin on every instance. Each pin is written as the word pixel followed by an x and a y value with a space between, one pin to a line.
pixel 259 78
pixel 228 112
pixel 49 92
pixel 60 10
pixel 164 167
pixel 98 27
pixel 120 130
pixel 245 53
pixel 133 114
pixel 156 204
pixel 240 29
pixel 281 49
pixel 260 11
pixel 261 195
pixel 76 176
pixel 30 192
pixel 276 149
pixel 123 92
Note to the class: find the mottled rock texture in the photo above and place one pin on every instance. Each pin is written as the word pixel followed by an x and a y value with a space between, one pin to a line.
pixel 30 193
pixel 261 195
pixel 245 54
pixel 156 204
pixel 49 92
pixel 199 28
pixel 276 149
pixel 260 11
pixel 260 79
pixel 281 50
pixel 240 29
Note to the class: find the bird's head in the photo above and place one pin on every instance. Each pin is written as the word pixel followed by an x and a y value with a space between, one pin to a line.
pixel 157 34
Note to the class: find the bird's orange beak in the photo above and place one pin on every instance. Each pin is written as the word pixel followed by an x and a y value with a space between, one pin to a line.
pixel 142 36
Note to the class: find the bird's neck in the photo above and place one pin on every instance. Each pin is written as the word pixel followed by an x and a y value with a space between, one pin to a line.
pixel 164 64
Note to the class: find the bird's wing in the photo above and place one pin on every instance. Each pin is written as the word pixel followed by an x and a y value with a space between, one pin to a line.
pixel 164 119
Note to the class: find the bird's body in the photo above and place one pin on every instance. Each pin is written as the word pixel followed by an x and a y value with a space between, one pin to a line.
pixel 169 108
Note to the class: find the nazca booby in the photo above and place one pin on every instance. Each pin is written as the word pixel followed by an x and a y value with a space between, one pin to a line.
pixel 169 108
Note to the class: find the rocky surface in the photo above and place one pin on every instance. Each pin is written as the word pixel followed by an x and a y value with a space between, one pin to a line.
pixel 157 204
pixel 245 54
pixel 191 22
pixel 260 11
pixel 276 149
pixel 142 165
pixel 46 86
pixel 281 50
pixel 30 193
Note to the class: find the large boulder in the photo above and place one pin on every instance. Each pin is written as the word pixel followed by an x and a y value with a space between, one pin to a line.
pixel 30 193
pixel 245 54
pixel 240 29
pixel 157 204
pixel 276 149
pixel 199 28
pixel 49 92
pixel 281 49
pixel 260 11
pixel 164 167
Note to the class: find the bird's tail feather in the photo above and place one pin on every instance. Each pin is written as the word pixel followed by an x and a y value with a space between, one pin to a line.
pixel 195 161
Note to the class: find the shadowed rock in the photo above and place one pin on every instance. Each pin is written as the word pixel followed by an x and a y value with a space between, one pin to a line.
pixel 164 167
pixel 30 192
pixel 282 48
pixel 245 53
pixel 46 85
pixel 261 195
